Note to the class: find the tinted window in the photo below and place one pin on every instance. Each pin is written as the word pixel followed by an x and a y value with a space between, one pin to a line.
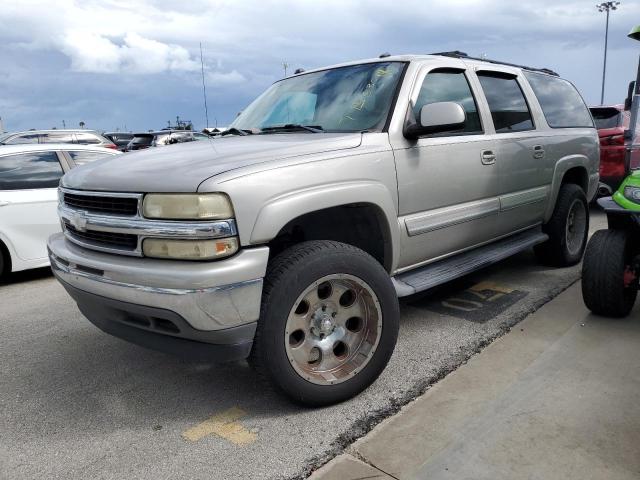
pixel 449 86
pixel 88 139
pixel 82 157
pixel 561 103
pixel 607 117
pixel 57 137
pixel 142 140
pixel 29 170
pixel 26 138
pixel 508 106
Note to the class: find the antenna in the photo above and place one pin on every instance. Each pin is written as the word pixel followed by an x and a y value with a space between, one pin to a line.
pixel 204 88
pixel 285 65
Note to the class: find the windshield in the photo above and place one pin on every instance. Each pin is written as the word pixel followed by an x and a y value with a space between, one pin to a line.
pixel 353 98
pixel 4 136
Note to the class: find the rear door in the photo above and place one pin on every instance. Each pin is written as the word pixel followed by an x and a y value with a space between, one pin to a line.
pixel 28 201
pixel 524 167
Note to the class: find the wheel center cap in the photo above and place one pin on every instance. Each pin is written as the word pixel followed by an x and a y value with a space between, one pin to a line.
pixel 323 323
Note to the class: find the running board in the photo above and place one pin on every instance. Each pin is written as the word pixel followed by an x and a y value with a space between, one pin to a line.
pixel 443 271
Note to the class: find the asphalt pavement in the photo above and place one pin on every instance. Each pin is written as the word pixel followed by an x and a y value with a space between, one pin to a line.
pixel 77 403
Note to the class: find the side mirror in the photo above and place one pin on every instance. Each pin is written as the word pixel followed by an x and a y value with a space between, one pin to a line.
pixel 629 99
pixel 435 118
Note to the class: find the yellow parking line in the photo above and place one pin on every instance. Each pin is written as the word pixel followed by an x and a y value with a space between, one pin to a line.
pixel 224 425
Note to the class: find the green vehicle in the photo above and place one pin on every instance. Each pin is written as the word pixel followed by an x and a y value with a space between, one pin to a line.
pixel 612 260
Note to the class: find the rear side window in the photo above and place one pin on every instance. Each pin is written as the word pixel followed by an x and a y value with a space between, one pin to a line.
pixel 57 137
pixel 30 170
pixel 27 138
pixel 607 117
pixel 509 109
pixel 142 140
pixel 561 103
pixel 82 157
pixel 88 139
pixel 449 86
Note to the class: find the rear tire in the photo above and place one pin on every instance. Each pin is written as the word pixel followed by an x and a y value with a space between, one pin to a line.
pixel 567 228
pixel 609 255
pixel 328 324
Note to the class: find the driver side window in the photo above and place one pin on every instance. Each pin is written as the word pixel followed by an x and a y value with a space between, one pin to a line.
pixel 445 85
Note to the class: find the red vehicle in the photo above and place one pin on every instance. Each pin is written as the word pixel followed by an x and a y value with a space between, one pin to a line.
pixel 611 122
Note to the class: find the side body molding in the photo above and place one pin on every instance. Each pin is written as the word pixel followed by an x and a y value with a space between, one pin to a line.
pixel 279 211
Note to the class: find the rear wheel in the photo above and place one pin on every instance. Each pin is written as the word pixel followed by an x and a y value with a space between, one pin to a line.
pixel 609 278
pixel 567 228
pixel 328 324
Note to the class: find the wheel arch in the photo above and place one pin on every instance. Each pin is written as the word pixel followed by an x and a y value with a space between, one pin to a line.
pixel 362 214
pixel 573 169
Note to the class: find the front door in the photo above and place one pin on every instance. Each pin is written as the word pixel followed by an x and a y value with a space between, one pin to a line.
pixel 447 182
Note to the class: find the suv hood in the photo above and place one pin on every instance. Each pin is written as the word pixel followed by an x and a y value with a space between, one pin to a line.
pixel 182 167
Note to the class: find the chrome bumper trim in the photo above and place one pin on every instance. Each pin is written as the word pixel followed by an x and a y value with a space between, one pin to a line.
pixel 208 295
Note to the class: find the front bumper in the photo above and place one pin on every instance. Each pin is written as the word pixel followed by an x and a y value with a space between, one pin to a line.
pixel 162 304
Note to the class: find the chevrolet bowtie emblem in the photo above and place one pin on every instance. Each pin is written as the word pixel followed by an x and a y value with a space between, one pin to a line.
pixel 79 221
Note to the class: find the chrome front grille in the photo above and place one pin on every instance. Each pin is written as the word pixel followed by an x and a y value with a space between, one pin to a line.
pixel 111 222
pixel 102 204
pixel 121 241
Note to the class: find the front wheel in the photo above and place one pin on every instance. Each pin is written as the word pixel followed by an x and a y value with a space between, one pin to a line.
pixel 609 278
pixel 328 324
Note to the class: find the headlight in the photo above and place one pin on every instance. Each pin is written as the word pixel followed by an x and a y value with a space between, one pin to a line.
pixel 190 249
pixel 632 193
pixel 187 206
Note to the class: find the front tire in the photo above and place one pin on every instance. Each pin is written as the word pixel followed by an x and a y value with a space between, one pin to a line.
pixel 328 325
pixel 567 228
pixel 608 284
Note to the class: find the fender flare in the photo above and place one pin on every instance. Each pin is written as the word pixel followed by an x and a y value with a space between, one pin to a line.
pixel 561 168
pixel 279 211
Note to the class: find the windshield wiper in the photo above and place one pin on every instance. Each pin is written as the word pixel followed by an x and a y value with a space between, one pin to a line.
pixel 236 131
pixel 290 127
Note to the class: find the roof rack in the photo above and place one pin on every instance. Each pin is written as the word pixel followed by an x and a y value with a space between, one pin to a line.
pixel 459 54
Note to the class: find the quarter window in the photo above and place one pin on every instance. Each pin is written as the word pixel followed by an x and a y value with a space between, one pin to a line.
pixel 450 86
pixel 509 109
pixel 58 137
pixel 28 138
pixel 87 139
pixel 30 170
pixel 82 157
pixel 561 103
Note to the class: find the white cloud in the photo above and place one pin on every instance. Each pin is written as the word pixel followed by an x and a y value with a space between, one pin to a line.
pixel 222 78
pixel 91 52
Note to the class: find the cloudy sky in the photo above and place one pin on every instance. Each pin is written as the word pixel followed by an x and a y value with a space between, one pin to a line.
pixel 136 63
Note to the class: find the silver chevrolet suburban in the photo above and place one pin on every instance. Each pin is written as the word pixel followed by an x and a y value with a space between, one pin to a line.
pixel 288 240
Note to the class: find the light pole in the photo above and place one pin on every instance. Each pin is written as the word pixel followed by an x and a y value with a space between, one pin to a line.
pixel 606 7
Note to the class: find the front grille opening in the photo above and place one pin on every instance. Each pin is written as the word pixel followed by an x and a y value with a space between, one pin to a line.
pixel 122 241
pixel 165 325
pixel 136 320
pixel 97 204
pixel 93 271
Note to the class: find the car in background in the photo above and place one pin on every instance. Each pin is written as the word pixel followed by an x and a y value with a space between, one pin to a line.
pixel 121 139
pixel 161 138
pixel 29 176
pixel 78 136
pixel 611 122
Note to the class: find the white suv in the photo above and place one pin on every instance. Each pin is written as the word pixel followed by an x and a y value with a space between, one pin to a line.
pixel 29 176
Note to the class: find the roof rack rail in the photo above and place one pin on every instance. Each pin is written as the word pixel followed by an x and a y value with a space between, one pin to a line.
pixel 459 54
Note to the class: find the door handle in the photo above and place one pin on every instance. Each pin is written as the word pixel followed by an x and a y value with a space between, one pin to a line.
pixel 4 203
pixel 488 157
pixel 538 151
